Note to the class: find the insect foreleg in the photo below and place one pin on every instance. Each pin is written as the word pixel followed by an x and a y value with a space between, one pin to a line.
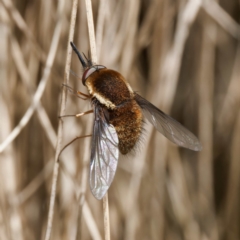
pixel 77 93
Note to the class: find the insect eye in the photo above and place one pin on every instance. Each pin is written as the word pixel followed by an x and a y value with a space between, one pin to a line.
pixel 89 71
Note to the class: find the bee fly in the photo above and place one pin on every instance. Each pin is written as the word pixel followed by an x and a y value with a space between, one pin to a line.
pixel 118 122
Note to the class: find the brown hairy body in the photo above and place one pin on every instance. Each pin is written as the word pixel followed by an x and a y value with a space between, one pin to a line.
pixel 118 122
pixel 112 90
pixel 127 120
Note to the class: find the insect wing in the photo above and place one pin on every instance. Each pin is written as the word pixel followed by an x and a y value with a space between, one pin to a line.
pixel 104 154
pixel 168 126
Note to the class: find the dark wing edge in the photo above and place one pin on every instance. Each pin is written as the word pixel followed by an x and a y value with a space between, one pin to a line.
pixel 104 154
pixel 168 126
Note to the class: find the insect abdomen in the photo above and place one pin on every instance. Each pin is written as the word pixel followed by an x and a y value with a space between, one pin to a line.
pixel 127 120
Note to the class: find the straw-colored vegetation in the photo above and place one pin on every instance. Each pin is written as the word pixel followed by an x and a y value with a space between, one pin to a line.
pixel 184 57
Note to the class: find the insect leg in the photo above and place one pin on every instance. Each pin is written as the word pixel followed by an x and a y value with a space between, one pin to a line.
pixel 77 115
pixel 87 96
pixel 76 138
pixel 84 113
pixel 77 93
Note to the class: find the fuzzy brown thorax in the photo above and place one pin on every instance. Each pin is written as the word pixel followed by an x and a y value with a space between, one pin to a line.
pixel 109 87
pixel 112 90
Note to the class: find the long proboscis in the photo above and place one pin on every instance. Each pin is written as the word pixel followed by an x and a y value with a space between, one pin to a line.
pixel 84 64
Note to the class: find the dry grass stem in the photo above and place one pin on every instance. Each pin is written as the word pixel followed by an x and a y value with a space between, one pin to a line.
pixel 91 32
pixel 41 87
pixel 26 76
pixel 100 25
pixel 106 217
pixel 21 24
pixel 186 18
pixel 33 186
pixel 183 56
pixel 222 18
pixel 92 226
pixel 60 131
pixel 94 59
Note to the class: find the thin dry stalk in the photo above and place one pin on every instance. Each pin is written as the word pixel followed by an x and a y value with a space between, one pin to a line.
pixel 33 186
pixel 227 118
pixel 82 200
pixel 181 202
pixel 232 98
pixel 106 217
pixel 94 59
pixel 206 200
pixel 19 21
pixel 91 32
pixel 83 206
pixel 60 128
pixel 170 53
pixel 26 76
pixel 100 24
pixel 41 87
pixel 91 223
pixel 233 186
pixel 222 18
pixel 173 61
pixel 5 228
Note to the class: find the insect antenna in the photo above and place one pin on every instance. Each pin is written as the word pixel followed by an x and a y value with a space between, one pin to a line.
pixel 89 61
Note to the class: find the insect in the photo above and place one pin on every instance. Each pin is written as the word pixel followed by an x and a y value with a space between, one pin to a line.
pixel 118 122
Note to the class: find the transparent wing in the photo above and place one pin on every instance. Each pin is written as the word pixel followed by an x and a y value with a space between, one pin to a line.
pixel 104 154
pixel 169 127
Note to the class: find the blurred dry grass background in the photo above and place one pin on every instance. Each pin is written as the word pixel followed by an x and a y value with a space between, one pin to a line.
pixel 184 57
